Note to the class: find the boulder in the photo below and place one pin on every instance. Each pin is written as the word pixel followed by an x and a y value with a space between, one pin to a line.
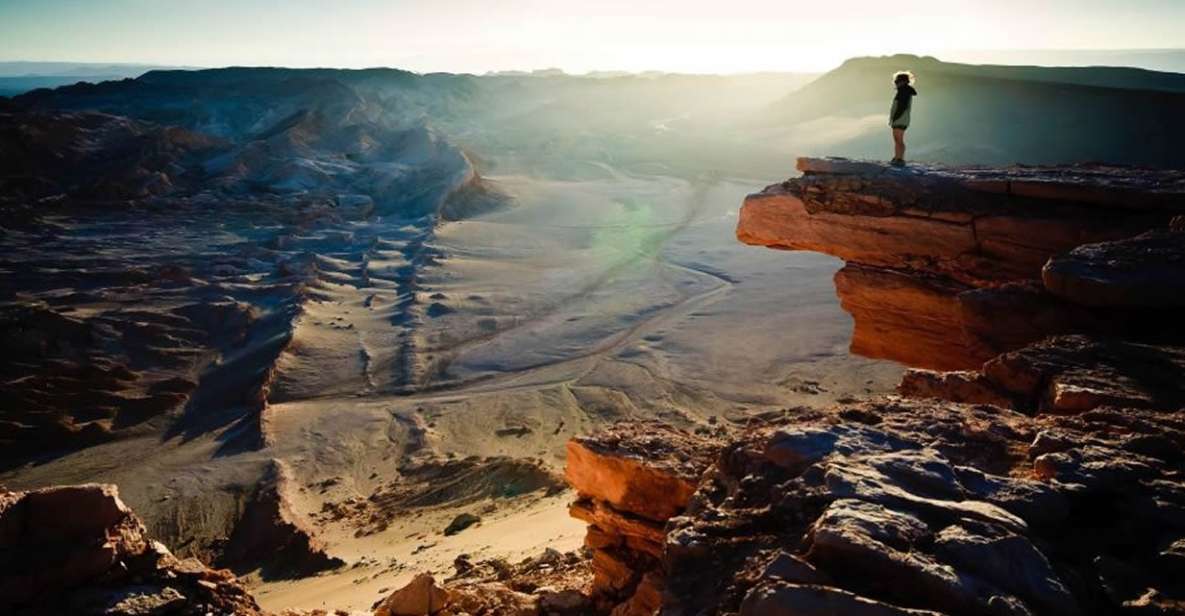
pixel 787 567
pixel 1146 271
pixel 1072 374
pixel 1064 375
pixel 80 549
pixel 1008 561
pixel 648 470
pixel 419 597
pixel 460 523
pixel 967 386
pixel 783 599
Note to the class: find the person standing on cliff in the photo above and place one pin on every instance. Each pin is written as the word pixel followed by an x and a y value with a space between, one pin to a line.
pixel 899 114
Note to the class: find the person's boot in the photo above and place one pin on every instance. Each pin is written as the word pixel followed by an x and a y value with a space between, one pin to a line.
pixel 897 162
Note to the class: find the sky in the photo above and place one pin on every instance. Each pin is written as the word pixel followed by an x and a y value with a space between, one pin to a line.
pixel 722 36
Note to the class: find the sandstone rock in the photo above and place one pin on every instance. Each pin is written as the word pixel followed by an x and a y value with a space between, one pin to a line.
pixel 613 528
pixel 937 507
pixel 1006 317
pixel 1144 271
pixel 420 597
pixel 915 320
pixel 1009 562
pixel 79 549
pixel 133 601
pixel 858 482
pixel 1036 502
pixel 797 449
pixel 783 599
pixel 1069 374
pixel 779 218
pixel 562 602
pixel 647 470
pixel 878 542
pixel 940 220
pixel 944 265
pixel 919 505
pixel 646 600
pixel 956 386
pixel 615 571
pixel 787 567
pixel 630 479
pixel 1094 467
pixel 1064 375
pixel 489 599
pixel 840 166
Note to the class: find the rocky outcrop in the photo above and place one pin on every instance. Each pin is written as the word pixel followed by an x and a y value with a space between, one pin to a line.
pixel 1065 374
pixel 630 480
pixel 551 584
pixel 80 550
pixel 1147 271
pixel 946 267
pixel 73 380
pixel 95 156
pixel 912 507
pixel 420 596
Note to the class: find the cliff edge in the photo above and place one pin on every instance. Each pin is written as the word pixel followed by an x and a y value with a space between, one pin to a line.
pixel 948 267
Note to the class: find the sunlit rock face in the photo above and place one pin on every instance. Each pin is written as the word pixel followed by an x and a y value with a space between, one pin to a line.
pixel 630 480
pixel 945 265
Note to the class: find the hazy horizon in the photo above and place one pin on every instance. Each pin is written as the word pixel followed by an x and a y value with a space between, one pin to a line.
pixel 462 36
pixel 1167 59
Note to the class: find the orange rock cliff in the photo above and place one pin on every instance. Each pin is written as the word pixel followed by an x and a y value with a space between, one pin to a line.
pixel 949 267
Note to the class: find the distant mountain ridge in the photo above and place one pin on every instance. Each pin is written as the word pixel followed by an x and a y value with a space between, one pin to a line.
pixel 1170 60
pixel 1000 114
pixel 741 125
pixel 20 77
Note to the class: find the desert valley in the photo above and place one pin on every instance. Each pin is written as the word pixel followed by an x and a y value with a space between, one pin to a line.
pixel 374 341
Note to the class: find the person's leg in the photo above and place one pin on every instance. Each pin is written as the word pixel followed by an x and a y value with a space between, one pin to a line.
pixel 899 143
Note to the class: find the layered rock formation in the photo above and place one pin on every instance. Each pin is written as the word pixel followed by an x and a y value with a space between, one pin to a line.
pixel 80 550
pixel 893 507
pixel 1065 375
pixel 630 480
pixel 946 268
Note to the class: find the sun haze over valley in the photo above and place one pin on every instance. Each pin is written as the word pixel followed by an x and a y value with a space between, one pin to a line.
pixel 618 308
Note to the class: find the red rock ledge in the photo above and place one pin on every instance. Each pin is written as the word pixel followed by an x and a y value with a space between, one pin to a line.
pixel 945 265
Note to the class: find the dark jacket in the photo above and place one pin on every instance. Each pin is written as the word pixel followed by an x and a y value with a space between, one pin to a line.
pixel 902 103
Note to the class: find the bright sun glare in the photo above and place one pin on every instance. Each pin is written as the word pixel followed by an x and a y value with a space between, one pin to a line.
pixel 638 35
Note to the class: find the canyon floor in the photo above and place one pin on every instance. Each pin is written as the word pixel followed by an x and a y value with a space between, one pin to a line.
pixel 625 304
